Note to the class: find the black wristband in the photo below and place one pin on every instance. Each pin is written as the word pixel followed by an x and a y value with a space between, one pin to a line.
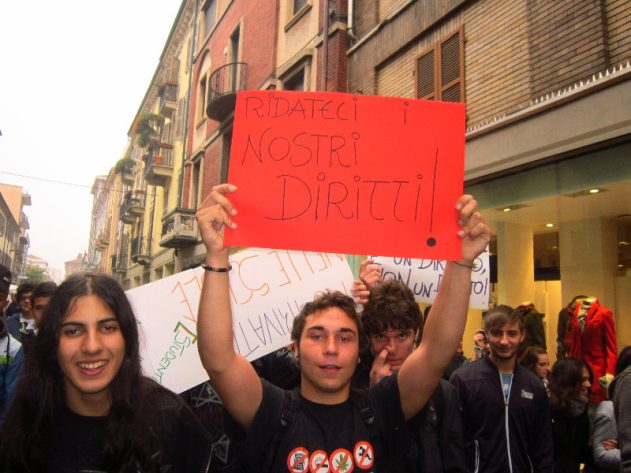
pixel 208 267
pixel 464 265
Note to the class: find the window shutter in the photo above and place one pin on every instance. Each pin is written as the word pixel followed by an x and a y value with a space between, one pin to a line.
pixel 450 69
pixel 179 122
pixel 426 76
pixel 440 71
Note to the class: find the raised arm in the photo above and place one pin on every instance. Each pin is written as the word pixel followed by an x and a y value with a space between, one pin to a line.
pixel 232 375
pixel 420 373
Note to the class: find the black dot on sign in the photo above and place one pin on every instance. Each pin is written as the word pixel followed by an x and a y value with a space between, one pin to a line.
pixel 431 242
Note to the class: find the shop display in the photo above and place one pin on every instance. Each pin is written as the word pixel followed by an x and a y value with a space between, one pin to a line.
pixel 591 337
pixel 535 331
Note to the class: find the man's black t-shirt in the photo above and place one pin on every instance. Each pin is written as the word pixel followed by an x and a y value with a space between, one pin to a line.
pixel 321 437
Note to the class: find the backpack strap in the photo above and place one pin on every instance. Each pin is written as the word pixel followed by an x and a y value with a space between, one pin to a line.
pixel 360 403
pixel 291 401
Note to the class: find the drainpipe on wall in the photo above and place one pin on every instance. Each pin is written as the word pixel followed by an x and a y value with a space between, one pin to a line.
pixel 325 46
pixel 349 20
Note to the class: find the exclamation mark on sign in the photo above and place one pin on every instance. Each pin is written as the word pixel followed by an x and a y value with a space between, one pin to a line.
pixel 432 241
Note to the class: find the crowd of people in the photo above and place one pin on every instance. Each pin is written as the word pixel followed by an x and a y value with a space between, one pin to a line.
pixel 369 383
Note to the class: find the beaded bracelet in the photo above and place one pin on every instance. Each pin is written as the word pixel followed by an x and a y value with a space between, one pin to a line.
pixel 208 267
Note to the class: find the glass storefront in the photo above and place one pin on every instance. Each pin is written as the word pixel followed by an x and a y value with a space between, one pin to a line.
pixel 562 229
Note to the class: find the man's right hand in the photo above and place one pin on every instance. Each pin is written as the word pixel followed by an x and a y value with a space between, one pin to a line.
pixel 380 368
pixel 213 215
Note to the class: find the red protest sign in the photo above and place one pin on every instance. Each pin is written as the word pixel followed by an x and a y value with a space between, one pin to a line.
pixel 347 173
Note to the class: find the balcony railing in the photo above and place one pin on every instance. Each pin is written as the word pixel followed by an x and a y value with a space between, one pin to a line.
pixel 133 206
pixel 179 229
pixel 141 250
pixel 159 166
pixel 168 99
pixel 224 84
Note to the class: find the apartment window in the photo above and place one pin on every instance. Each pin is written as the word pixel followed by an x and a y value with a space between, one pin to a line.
pixel 297 79
pixel 225 155
pixel 189 58
pixel 440 70
pixel 196 184
pixel 165 206
pixel 166 134
pixel 179 118
pixel 209 11
pixel 298 4
pixel 235 70
pixel 235 39
pixel 202 97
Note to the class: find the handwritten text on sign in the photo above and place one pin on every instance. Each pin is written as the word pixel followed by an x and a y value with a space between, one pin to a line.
pixel 267 290
pixel 347 173
pixel 423 277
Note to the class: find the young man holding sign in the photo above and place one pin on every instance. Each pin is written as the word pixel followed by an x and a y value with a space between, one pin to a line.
pixel 327 431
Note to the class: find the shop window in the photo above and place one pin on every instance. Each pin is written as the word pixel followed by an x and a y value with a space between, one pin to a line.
pixel 440 70
pixel 209 11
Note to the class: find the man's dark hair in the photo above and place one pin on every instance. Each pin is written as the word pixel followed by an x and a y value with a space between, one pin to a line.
pixel 391 305
pixel 43 289
pixel 23 288
pixel 326 300
pixel 501 315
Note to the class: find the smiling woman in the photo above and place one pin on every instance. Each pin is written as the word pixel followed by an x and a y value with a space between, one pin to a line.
pixel 82 403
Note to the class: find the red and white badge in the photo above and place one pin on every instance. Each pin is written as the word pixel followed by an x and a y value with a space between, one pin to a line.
pixel 319 462
pixel 342 461
pixel 298 460
pixel 364 455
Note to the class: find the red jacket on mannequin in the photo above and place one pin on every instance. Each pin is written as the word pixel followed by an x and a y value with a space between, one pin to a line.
pixel 591 337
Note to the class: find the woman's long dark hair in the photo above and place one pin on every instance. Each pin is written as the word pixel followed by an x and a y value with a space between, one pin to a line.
pixel 566 378
pixel 39 397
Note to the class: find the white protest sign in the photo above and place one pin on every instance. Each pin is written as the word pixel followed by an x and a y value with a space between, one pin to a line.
pixel 423 277
pixel 267 290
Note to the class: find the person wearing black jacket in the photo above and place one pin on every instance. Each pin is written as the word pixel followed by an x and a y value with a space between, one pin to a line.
pixel 570 385
pixel 506 415
pixel 393 325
